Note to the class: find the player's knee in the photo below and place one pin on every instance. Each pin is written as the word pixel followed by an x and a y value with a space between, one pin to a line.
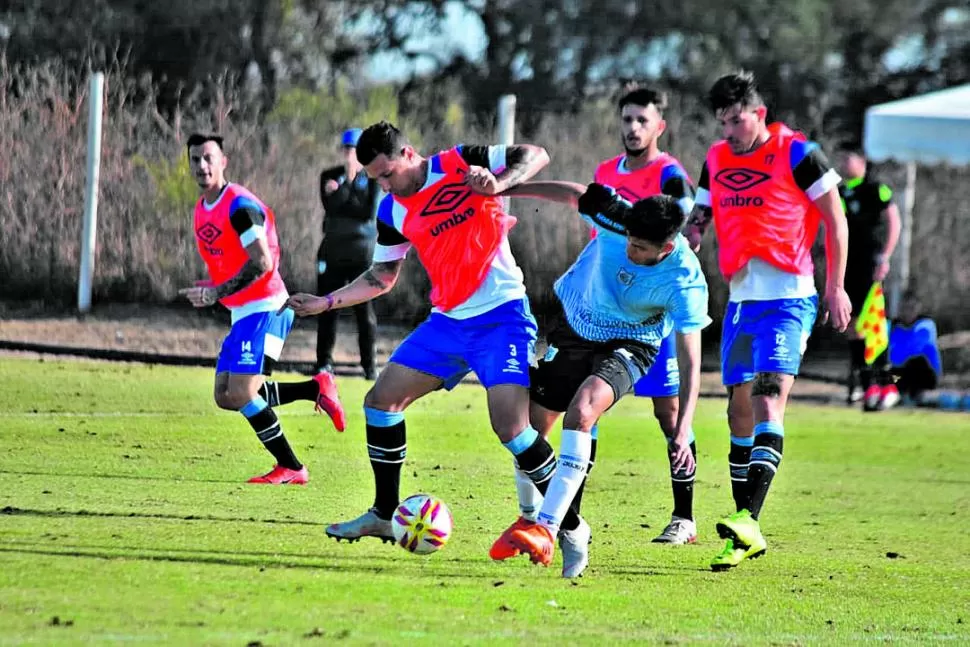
pixel 381 399
pixel 582 415
pixel 766 385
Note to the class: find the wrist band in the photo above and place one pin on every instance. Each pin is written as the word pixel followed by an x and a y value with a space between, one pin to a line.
pixel 330 301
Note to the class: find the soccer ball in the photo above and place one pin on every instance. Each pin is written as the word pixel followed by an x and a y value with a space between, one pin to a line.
pixel 422 524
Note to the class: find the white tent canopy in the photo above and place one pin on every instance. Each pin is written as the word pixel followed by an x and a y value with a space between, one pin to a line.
pixel 926 129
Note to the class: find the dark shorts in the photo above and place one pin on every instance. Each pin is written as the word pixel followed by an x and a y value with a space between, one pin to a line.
pixel 570 359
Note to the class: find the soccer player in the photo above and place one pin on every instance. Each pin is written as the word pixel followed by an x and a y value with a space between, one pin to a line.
pixel 236 236
pixel 447 207
pixel 642 171
pixel 873 233
pixel 633 286
pixel 766 188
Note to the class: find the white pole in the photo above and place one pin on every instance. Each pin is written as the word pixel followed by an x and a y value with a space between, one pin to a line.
pixel 901 280
pixel 506 126
pixel 90 229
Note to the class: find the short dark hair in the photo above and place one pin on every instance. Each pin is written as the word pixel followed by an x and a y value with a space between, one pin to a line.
pixel 643 97
pixel 730 89
pixel 197 139
pixel 657 219
pixel 380 139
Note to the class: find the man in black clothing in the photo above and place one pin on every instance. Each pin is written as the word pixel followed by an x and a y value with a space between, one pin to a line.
pixel 873 233
pixel 349 200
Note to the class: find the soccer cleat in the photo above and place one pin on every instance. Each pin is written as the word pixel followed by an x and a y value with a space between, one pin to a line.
pixel 574 545
pixel 870 402
pixel 741 527
pixel 366 525
pixel 678 532
pixel 889 397
pixel 503 547
pixel 732 555
pixel 329 401
pixel 283 476
pixel 536 541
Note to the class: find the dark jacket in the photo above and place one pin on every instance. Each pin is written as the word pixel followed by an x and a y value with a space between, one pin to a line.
pixel 350 226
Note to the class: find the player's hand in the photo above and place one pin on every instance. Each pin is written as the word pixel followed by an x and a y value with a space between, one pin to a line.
pixel 693 235
pixel 597 199
pixel 200 296
pixel 330 186
pixel 837 309
pixel 681 458
pixel 482 181
pixel 881 271
pixel 307 305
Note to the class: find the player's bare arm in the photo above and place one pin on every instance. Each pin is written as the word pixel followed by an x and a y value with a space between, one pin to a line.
pixel 260 262
pixel 377 280
pixel 522 162
pixel 697 223
pixel 837 306
pixel 890 216
pixel 689 361
pixel 567 193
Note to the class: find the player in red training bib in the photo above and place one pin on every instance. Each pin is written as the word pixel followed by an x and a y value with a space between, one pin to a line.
pixel 767 189
pixel 447 208
pixel 236 236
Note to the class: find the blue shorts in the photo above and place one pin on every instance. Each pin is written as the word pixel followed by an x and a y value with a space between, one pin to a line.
pixel 254 343
pixel 663 378
pixel 765 337
pixel 498 345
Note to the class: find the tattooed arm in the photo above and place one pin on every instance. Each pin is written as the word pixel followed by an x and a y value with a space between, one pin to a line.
pixel 377 280
pixel 522 163
pixel 701 215
pixel 697 223
pixel 249 223
pixel 495 169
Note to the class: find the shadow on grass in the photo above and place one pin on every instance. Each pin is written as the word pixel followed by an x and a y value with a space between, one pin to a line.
pixel 12 511
pixel 456 568
pixel 132 477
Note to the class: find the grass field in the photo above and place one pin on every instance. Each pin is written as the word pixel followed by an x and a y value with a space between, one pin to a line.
pixel 125 519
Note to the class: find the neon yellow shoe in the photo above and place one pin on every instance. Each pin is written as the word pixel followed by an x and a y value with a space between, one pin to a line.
pixel 742 528
pixel 732 555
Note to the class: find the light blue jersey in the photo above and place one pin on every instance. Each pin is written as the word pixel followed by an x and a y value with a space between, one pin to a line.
pixel 607 297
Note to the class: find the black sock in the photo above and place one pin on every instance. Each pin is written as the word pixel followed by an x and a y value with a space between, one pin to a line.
pixel 682 484
pixel 857 362
pixel 738 459
pixel 386 448
pixel 578 499
pixel 769 440
pixel 278 393
pixel 264 422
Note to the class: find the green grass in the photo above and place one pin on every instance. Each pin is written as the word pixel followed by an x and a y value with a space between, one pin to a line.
pixel 125 517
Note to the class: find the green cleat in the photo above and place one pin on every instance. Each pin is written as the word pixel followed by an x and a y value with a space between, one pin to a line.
pixel 742 528
pixel 732 555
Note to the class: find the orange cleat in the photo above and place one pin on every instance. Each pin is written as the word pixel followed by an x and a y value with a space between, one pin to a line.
pixel 536 541
pixel 329 401
pixel 503 547
pixel 283 476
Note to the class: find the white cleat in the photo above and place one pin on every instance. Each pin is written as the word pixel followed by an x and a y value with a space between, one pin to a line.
pixel 574 545
pixel 679 531
pixel 366 525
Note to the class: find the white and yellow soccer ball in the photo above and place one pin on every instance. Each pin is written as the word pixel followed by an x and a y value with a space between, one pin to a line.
pixel 422 524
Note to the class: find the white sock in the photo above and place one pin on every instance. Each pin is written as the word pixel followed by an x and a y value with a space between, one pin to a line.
pixel 529 496
pixel 573 458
